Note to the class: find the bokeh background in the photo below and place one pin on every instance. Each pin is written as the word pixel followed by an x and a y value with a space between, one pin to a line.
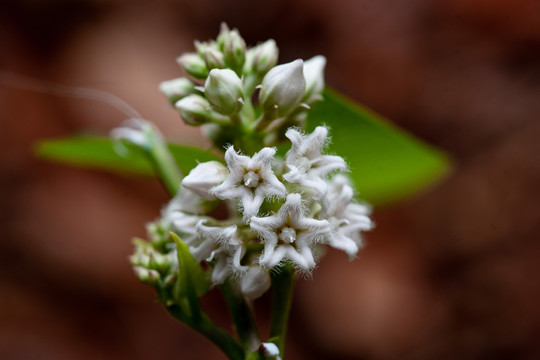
pixel 452 273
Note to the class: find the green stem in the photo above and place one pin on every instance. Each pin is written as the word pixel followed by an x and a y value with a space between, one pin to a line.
pixel 211 331
pixel 282 287
pixel 245 325
pixel 165 167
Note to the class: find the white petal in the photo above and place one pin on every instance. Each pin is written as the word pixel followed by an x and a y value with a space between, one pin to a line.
pixel 255 282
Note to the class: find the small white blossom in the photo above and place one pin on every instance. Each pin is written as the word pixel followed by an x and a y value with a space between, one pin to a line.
pixel 204 177
pixel 183 213
pixel 306 165
pixel 250 179
pixel 289 234
pixel 348 219
pixel 221 244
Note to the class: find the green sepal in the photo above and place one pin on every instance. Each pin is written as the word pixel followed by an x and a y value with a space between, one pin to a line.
pixel 192 279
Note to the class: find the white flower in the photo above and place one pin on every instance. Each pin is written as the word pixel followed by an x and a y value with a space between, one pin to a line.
pixel 254 282
pixel 348 219
pixel 204 177
pixel 221 244
pixel 282 89
pixel 250 179
pixel 183 213
pixel 306 165
pixel 289 234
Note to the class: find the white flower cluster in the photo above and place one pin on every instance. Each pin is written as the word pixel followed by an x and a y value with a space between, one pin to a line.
pixel 282 209
pixel 288 205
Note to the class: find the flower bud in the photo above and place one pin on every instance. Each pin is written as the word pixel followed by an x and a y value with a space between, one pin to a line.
pixel 147 276
pixel 204 177
pixel 213 58
pixel 261 58
pixel 193 65
pixel 255 282
pixel 176 89
pixel 234 50
pixel 314 76
pixel 195 110
pixel 223 89
pixel 282 89
pixel 269 351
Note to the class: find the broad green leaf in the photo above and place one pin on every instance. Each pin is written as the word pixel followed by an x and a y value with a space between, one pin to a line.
pixel 192 278
pixel 100 153
pixel 386 163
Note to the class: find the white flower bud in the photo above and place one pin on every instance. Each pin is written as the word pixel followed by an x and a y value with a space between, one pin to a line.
pixel 176 89
pixel 255 282
pixel 213 58
pixel 233 47
pixel 261 58
pixel 195 110
pixel 282 89
pixel 204 177
pixel 269 351
pixel 223 89
pixel 193 65
pixel 314 75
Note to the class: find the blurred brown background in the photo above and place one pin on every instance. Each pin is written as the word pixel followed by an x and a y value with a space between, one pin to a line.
pixel 450 274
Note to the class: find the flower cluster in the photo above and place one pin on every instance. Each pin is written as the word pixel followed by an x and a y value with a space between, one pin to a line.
pixel 282 207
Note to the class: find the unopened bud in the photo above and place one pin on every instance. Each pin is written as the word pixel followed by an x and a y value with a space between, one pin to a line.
pixel 261 58
pixel 147 276
pixel 204 177
pixel 255 282
pixel 269 351
pixel 195 110
pixel 233 47
pixel 282 89
pixel 213 58
pixel 177 89
pixel 314 76
pixel 193 65
pixel 224 90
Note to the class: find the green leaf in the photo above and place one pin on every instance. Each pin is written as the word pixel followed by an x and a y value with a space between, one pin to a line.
pixel 100 153
pixel 193 280
pixel 386 163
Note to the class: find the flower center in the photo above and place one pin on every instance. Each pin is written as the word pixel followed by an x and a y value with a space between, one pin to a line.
pixel 251 179
pixel 287 235
pixel 304 163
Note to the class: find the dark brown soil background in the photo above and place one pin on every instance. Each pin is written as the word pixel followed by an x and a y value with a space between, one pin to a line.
pixel 450 274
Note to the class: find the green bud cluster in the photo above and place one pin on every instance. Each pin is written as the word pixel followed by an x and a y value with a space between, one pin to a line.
pixel 154 261
pixel 240 95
